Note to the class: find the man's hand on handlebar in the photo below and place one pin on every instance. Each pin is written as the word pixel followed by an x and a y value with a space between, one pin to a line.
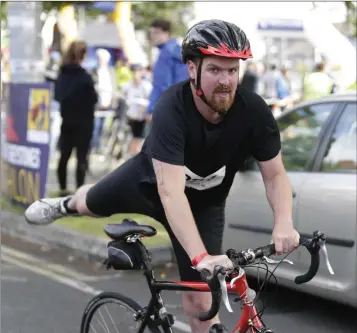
pixel 213 268
pixel 285 237
pixel 209 262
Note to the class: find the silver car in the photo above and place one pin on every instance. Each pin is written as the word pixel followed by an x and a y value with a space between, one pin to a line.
pixel 319 153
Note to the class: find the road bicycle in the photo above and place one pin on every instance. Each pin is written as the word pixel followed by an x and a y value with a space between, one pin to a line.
pixel 114 148
pixel 126 251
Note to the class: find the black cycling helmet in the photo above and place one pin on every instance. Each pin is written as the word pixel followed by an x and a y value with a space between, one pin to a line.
pixel 214 37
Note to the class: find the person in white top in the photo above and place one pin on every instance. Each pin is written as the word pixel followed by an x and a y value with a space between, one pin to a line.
pixel 106 87
pixel 136 93
pixel 270 81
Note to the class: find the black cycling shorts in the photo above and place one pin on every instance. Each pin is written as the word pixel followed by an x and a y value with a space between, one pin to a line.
pixel 125 190
pixel 137 128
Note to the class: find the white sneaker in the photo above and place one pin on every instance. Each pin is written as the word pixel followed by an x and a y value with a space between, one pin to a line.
pixel 46 211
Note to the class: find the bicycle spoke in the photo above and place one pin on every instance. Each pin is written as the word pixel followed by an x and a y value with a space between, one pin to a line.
pixel 106 326
pixel 111 319
pixel 105 321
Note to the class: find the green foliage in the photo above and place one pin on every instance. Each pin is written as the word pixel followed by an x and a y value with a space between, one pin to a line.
pixel 174 11
pixel 351 16
pixel 3 10
pixel 143 13
pixel 48 5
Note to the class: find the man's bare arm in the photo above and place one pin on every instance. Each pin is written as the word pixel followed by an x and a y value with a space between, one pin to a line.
pixel 278 189
pixel 171 187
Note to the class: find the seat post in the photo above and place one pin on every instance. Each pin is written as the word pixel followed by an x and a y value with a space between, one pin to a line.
pixel 145 256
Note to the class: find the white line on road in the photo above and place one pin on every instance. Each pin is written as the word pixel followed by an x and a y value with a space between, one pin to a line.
pixel 52 275
pixel 55 267
pixel 101 277
pixel 56 276
pixel 44 263
pixel 12 278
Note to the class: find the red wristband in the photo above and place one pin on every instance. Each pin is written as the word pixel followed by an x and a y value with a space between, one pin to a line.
pixel 196 260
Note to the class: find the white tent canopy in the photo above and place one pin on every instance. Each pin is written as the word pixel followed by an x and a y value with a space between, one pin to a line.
pixel 103 34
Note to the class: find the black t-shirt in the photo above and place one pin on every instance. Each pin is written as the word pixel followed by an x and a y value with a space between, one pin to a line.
pixel 211 153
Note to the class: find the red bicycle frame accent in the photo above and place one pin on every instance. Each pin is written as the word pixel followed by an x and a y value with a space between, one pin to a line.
pixel 240 288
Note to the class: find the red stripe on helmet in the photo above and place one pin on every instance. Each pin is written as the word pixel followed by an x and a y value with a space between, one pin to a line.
pixel 224 51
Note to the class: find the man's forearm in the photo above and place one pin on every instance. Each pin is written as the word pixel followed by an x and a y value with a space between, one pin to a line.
pixel 182 223
pixel 278 191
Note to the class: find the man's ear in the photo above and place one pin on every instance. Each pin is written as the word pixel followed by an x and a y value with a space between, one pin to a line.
pixel 192 70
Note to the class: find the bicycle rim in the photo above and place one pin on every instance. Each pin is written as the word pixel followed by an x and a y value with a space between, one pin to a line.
pixel 113 313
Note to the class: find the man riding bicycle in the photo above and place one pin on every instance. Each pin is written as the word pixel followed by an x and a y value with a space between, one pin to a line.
pixel 203 130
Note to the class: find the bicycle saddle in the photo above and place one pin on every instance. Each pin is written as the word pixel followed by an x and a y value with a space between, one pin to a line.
pixel 128 228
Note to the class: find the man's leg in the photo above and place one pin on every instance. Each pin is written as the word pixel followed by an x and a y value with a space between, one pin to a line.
pixel 210 223
pixel 119 192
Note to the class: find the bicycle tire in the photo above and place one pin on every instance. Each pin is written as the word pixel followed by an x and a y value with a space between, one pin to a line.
pixel 110 297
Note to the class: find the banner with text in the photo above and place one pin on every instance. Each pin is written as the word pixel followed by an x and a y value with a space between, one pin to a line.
pixel 25 141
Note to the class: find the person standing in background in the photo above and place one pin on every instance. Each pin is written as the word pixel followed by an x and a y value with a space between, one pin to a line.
pixel 124 76
pixel 136 94
pixel 169 68
pixel 123 72
pixel 317 84
pixel 270 82
pixel 106 87
pixel 250 78
pixel 284 89
pixel 75 92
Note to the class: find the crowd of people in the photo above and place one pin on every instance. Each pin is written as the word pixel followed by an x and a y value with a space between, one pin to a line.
pixel 125 88
pixel 275 84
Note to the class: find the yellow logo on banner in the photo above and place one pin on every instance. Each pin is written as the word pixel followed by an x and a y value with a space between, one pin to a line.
pixel 39 110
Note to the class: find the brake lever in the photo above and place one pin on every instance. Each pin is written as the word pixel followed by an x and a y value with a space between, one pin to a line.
pixel 222 281
pixel 272 261
pixel 323 248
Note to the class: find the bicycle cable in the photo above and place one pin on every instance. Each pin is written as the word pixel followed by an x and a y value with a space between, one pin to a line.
pixel 266 282
pixel 256 298
pixel 262 287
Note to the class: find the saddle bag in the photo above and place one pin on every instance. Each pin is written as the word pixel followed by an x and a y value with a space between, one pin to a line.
pixel 124 256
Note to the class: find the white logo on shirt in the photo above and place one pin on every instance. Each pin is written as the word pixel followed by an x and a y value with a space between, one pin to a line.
pixel 204 183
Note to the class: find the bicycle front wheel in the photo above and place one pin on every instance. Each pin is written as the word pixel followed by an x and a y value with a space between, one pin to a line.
pixel 113 313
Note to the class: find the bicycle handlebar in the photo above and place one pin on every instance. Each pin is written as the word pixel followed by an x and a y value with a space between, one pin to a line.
pixel 213 281
pixel 249 256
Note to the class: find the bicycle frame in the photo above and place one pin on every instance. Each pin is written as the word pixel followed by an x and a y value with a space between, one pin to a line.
pixel 249 317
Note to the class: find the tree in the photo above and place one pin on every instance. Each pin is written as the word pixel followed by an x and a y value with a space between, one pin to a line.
pixel 176 12
pixel 49 5
pixel 3 10
pixel 351 17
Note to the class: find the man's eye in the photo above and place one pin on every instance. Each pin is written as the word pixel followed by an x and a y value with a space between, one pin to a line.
pixel 214 70
pixel 233 70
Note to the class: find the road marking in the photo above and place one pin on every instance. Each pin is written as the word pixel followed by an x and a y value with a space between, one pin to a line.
pixel 12 278
pixel 55 267
pixel 53 275
pixel 8 254
pixel 101 277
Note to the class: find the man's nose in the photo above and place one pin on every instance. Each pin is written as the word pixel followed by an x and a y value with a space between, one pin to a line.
pixel 224 78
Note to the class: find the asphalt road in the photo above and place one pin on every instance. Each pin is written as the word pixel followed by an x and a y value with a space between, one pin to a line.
pixel 46 291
